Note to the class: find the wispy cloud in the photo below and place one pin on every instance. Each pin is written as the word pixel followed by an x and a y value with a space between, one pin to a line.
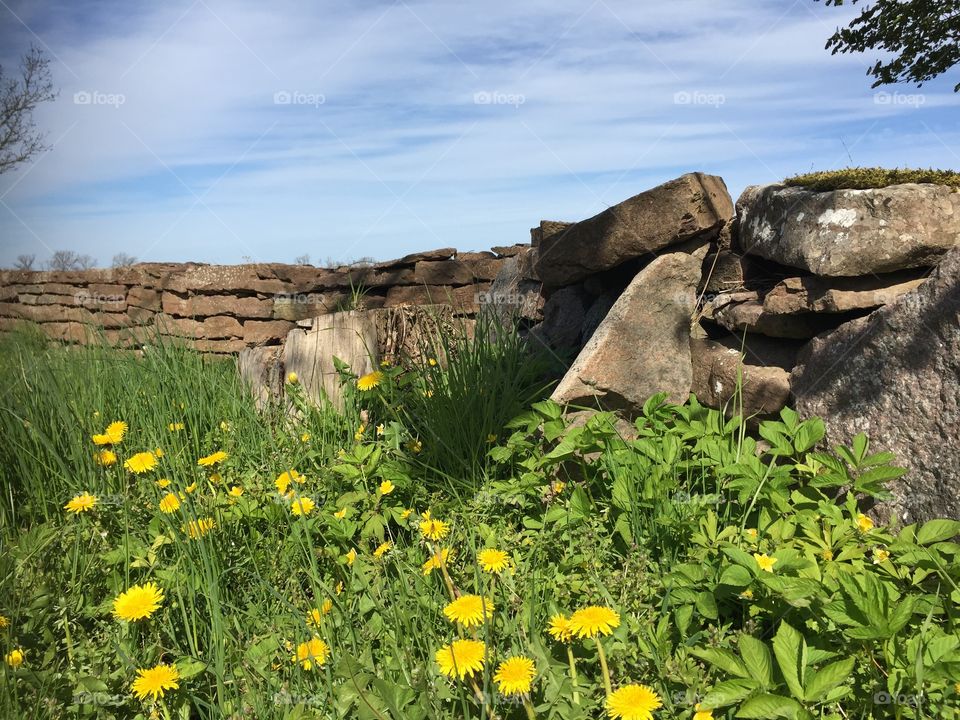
pixel 213 131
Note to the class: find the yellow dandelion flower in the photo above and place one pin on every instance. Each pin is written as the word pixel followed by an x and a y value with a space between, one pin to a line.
pixel 436 561
pixel 197 529
pixel 215 478
pixel 433 529
pixel 351 556
pixel 358 435
pixel 225 425
pixel 880 556
pixel 864 524
pixel 105 458
pixel 515 675
pixel 163 483
pixel 285 478
pixel 493 561
pixel 461 658
pixel 382 548
pixel 406 513
pixel 312 653
pixel 340 514
pixel 700 714
pixel 305 437
pixel 212 459
pixel 432 362
pixel 175 426
pixel 191 487
pixel 141 462
pixel 292 378
pixel 339 588
pixel 4 622
pixel 302 506
pixel 112 435
pixel 747 594
pixel 315 615
pixel 369 381
pixel 155 681
pixel 633 702
pixel 559 628
pixel 158 452
pixel 14 658
pixel 593 621
pixel 170 503
pixel 387 487
pixel 137 603
pixel 236 491
pixel 81 503
pixel 765 562
pixel 414 446
pixel 469 610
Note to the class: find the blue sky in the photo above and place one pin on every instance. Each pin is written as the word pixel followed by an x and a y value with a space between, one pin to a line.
pixel 240 131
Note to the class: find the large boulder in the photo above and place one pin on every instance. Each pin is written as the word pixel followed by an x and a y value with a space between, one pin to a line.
pixel 515 293
pixel 642 347
pixel 692 206
pixel 895 375
pixel 850 232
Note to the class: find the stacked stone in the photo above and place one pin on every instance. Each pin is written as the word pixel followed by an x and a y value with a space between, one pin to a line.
pixel 225 308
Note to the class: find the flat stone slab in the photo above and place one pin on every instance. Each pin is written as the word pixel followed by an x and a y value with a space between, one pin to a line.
pixel 850 232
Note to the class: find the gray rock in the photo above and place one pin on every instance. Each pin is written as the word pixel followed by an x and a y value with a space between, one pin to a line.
pixel 764 389
pixel 850 232
pixel 642 347
pixel 895 375
pixel 692 206
pixel 563 316
pixel 515 292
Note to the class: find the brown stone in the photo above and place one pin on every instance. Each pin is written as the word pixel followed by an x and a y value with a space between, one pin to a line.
pixel 764 390
pixel 220 327
pixel 219 347
pixel 299 306
pixel 694 206
pixel 260 332
pixel 642 347
pixel 836 295
pixel 209 305
pixel 414 258
pixel 145 298
pixel 895 376
pixel 507 251
pixel 442 272
pixel 743 312
pixel 464 299
pixel 139 315
pixel 547 229
pixel 179 327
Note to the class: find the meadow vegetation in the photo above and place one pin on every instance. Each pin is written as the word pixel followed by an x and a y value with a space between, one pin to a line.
pixel 446 545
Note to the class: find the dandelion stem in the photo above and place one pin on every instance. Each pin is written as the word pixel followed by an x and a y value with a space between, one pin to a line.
pixel 573 675
pixel 528 706
pixel 603 665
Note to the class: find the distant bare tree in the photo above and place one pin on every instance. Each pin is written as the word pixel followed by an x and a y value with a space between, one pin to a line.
pixel 122 260
pixel 62 260
pixel 69 260
pixel 25 262
pixel 302 259
pixel 19 97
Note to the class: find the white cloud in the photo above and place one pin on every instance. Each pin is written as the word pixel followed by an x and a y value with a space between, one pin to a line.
pixel 398 156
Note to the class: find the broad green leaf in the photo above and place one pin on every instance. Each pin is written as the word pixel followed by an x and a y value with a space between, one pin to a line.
pixel 707 605
pixel 756 656
pixel 791 651
pixel 736 576
pixel 729 692
pixel 937 530
pixel 722 659
pixel 820 683
pixel 770 706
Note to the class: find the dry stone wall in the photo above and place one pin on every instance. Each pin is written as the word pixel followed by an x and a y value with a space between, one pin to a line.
pixel 226 308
